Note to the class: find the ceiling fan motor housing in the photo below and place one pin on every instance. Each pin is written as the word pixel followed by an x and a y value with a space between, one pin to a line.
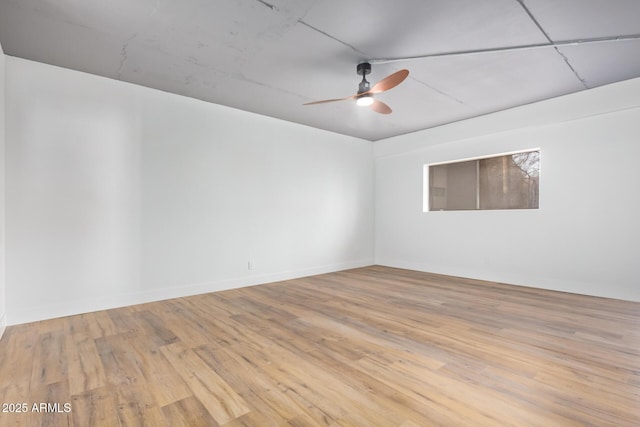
pixel 364 86
pixel 363 69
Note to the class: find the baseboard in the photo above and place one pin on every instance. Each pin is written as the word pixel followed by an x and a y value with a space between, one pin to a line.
pixel 87 305
pixel 3 324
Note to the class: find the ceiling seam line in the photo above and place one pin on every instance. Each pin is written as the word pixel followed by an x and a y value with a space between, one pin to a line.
pixel 546 45
pixel 269 5
pixel 453 98
pixel 330 36
pixel 546 35
pixel 535 21
pixel 575 72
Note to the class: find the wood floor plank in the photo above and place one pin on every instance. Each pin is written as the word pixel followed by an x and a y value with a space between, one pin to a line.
pixel 119 360
pixel 99 324
pixel 83 360
pixel 88 371
pixel 193 331
pixel 161 379
pixel 50 406
pixel 268 397
pixel 188 412
pixel 221 401
pixel 137 407
pixel 373 346
pixel 123 319
pixel 154 327
pixel 50 358
pixel 17 351
pixel 96 408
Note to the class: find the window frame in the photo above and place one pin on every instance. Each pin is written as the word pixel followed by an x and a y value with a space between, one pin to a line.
pixel 425 181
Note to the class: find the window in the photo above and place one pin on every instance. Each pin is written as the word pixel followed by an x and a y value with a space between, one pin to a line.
pixel 508 181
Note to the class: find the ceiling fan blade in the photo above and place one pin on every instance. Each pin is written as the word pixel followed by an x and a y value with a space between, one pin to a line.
pixel 324 101
pixel 380 107
pixel 390 81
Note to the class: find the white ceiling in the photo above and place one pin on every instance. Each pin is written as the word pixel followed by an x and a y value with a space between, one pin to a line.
pixel 271 56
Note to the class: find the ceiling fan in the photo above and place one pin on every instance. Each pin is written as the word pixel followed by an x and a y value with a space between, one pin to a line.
pixel 364 97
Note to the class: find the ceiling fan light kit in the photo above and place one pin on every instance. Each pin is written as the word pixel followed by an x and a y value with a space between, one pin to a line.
pixel 365 100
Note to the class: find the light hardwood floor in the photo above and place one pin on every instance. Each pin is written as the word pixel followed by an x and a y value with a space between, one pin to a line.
pixel 373 346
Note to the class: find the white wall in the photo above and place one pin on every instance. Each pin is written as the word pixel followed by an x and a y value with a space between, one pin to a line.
pixel 585 238
pixel 119 194
pixel 3 318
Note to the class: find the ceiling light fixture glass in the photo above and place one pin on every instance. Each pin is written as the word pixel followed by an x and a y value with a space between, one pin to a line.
pixel 365 100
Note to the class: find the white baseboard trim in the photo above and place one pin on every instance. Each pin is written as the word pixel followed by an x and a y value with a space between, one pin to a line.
pixel 87 305
pixel 3 324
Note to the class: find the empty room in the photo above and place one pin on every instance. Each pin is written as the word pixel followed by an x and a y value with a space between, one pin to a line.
pixel 319 213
